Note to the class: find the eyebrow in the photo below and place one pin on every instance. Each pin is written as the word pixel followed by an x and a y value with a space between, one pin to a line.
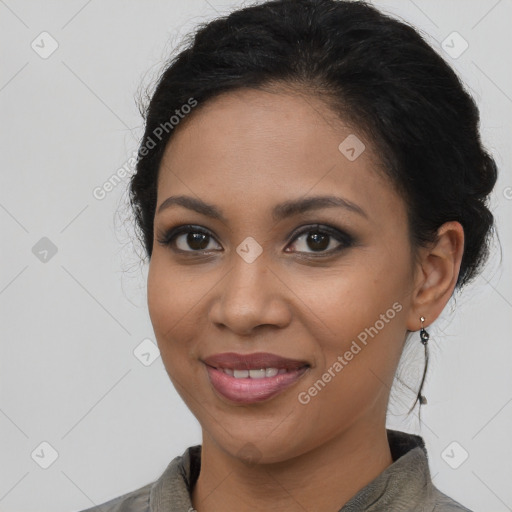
pixel 279 212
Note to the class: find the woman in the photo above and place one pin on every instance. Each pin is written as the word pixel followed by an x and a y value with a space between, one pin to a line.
pixel 311 188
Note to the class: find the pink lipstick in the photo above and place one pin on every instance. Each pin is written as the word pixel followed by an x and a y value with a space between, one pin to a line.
pixel 249 378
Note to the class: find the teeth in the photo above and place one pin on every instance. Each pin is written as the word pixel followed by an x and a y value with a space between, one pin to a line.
pixel 253 374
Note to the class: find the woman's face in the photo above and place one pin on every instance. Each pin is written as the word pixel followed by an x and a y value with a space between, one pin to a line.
pixel 328 286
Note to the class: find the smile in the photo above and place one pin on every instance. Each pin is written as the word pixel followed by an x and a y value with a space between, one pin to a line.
pixel 254 374
pixel 251 378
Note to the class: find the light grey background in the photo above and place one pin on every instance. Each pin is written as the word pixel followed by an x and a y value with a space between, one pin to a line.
pixel 70 324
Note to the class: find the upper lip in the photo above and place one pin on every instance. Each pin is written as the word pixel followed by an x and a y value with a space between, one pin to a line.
pixel 254 361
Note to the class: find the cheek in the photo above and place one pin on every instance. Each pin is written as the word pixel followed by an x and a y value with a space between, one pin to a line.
pixel 168 317
pixel 174 303
pixel 362 314
pixel 170 293
pixel 354 297
pixel 168 304
pixel 161 297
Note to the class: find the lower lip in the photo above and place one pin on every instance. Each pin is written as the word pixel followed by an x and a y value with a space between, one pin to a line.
pixel 248 391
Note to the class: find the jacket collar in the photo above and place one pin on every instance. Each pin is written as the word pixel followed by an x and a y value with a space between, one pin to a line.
pixel 404 485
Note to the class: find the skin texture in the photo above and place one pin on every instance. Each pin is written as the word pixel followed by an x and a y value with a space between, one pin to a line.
pixel 245 152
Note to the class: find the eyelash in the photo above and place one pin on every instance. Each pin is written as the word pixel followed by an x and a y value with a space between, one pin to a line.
pixel 346 240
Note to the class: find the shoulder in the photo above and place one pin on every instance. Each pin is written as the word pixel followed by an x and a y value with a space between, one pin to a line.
pixel 134 501
pixel 444 503
pixel 171 487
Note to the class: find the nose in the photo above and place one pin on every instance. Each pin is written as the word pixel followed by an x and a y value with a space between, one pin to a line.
pixel 250 296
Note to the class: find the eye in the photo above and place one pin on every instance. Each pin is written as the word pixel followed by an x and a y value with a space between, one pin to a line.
pixel 188 239
pixel 321 239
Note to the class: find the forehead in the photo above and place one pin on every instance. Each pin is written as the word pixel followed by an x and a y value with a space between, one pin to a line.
pixel 270 145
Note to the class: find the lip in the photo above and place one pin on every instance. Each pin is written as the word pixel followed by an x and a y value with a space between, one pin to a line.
pixel 249 390
pixel 254 361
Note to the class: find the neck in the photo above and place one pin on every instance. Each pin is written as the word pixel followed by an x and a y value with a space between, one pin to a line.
pixel 324 478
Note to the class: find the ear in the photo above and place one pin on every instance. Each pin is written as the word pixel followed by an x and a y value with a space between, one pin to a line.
pixel 436 275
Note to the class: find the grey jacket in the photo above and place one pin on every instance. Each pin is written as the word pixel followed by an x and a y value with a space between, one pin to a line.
pixel 404 486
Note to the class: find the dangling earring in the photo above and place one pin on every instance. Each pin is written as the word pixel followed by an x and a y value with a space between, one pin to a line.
pixel 424 337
